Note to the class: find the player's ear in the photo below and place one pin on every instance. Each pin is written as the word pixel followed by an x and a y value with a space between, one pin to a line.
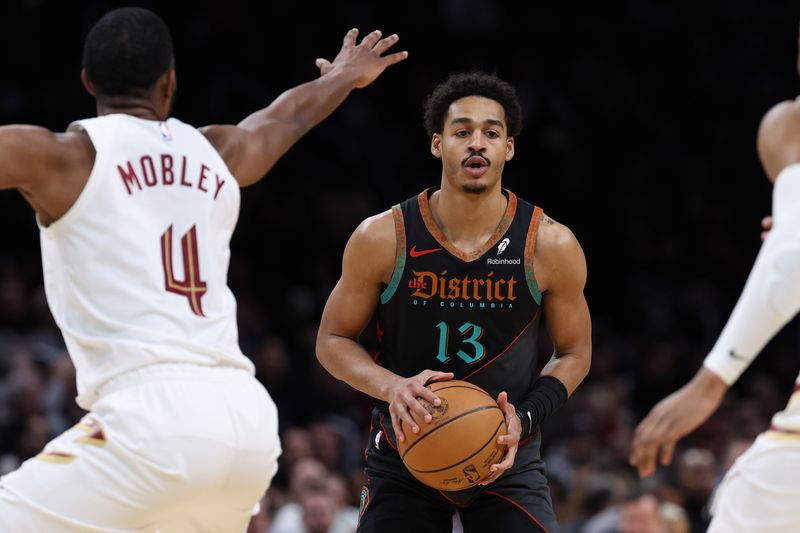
pixel 167 84
pixel 436 145
pixel 87 83
pixel 509 148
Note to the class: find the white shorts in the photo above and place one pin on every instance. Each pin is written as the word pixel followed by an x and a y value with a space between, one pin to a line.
pixel 168 448
pixel 761 491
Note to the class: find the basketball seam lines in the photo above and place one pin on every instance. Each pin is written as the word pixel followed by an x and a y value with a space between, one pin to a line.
pixel 462 415
pixel 475 388
pixel 463 460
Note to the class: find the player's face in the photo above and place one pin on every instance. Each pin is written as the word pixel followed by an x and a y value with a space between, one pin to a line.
pixel 474 144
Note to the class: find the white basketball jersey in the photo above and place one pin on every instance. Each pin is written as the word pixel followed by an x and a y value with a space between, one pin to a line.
pixel 789 418
pixel 136 271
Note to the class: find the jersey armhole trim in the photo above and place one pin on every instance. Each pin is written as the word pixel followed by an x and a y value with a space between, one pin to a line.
pixel 400 254
pixel 93 181
pixel 530 248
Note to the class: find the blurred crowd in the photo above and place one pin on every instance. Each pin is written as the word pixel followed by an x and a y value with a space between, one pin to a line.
pixel 324 423
pixel 640 119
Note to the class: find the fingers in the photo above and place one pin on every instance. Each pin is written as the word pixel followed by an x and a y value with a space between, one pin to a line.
pixel 407 402
pixel 502 403
pixel 371 39
pixel 502 400
pixel 350 37
pixel 391 59
pixel 429 376
pixel 766 223
pixel 667 451
pixel 323 65
pixel 385 44
pixel 513 429
pixel 644 450
pixel 397 424
pixel 496 470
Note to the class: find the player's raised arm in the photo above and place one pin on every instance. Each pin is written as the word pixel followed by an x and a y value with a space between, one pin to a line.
pixel 43 165
pixel 253 146
pixel 367 265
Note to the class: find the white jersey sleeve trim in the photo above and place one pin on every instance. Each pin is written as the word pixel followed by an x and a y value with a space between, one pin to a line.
pixel 771 296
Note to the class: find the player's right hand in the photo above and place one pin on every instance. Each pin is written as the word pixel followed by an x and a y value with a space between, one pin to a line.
pixel 404 406
pixel 365 61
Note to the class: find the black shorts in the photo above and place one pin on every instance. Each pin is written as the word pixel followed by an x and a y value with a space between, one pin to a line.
pixel 394 501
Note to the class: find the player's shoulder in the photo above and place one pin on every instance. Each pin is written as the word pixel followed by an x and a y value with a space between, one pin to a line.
pixel 554 236
pixel 372 248
pixel 56 151
pixel 779 137
pixel 558 257
pixel 781 119
pixel 374 234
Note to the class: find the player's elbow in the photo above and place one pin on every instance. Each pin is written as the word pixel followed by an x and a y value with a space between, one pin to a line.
pixel 323 347
pixel 583 364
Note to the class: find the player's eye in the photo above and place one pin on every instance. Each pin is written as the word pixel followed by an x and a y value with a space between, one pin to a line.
pixel 462 133
pixel 492 134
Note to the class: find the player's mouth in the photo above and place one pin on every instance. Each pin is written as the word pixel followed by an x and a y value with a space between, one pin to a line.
pixel 476 165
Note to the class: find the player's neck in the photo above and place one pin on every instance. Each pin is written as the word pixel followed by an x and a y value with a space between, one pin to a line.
pixel 468 220
pixel 136 107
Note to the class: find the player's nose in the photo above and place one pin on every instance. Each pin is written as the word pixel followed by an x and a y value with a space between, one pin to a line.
pixel 477 141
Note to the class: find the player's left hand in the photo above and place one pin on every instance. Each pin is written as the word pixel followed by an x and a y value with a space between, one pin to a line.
pixel 510 439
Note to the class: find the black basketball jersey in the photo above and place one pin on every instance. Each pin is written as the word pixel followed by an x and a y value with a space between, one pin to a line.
pixel 476 314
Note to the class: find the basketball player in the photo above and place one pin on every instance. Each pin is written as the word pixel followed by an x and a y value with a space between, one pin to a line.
pixel 760 492
pixel 136 211
pixel 460 275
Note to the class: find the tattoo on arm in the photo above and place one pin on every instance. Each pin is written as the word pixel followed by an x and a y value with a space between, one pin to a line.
pixel 547 220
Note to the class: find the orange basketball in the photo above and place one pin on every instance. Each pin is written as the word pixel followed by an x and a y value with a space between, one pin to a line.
pixel 455 450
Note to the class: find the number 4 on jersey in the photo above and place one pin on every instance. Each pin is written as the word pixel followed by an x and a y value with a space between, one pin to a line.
pixel 192 287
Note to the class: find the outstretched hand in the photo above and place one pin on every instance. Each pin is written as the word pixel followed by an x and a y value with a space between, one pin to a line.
pixel 677 415
pixel 366 59
pixel 404 401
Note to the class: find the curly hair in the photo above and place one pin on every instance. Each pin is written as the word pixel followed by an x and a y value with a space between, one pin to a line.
pixel 472 84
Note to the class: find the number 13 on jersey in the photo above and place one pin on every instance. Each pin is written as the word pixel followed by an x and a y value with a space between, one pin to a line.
pixel 472 333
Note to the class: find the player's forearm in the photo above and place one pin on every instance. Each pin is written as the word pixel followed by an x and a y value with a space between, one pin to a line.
pixel 771 296
pixel 347 360
pixel 569 368
pixel 304 106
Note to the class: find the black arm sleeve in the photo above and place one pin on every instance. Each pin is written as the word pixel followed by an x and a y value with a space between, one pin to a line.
pixel 544 399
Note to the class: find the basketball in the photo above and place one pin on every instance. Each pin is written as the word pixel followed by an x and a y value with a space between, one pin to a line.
pixel 455 450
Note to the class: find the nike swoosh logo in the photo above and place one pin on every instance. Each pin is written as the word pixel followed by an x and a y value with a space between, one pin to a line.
pixel 737 356
pixel 417 253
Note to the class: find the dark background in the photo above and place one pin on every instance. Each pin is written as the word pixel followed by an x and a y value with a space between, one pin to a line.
pixel 640 125
pixel 640 121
